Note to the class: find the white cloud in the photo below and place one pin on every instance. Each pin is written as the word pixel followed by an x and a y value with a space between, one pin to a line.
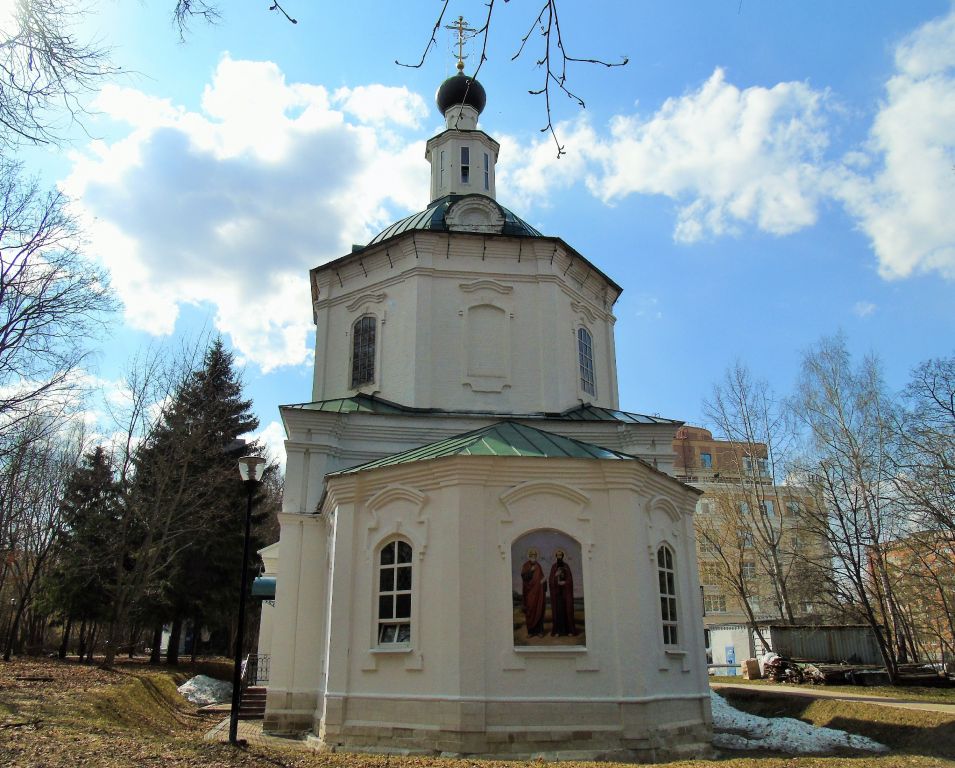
pixel 231 206
pixel 736 158
pixel 648 307
pixel 729 157
pixel 382 105
pixel 863 308
pixel 272 437
pixel 529 175
pixel 905 206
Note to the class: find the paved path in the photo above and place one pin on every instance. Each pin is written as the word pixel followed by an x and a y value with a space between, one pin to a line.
pixel 822 693
pixel 250 731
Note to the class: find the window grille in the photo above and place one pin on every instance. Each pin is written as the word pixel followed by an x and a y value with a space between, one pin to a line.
pixel 363 352
pixel 709 574
pixel 714 603
pixel 667 576
pixel 585 358
pixel 394 594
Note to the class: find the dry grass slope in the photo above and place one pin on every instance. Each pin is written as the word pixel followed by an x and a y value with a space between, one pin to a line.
pixel 909 692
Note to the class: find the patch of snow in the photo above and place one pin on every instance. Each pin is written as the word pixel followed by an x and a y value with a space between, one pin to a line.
pixel 204 690
pixel 739 730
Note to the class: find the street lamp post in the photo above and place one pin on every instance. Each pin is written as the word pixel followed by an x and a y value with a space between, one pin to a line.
pixel 251 469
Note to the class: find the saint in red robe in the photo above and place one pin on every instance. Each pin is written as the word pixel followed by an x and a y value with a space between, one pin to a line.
pixel 533 593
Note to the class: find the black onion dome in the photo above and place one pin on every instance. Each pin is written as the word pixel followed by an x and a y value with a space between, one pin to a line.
pixel 460 89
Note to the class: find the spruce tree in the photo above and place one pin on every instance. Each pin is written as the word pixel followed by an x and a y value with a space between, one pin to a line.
pixel 79 585
pixel 203 428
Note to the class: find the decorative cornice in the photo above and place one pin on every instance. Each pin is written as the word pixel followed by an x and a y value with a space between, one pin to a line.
pixel 367 298
pixel 394 493
pixel 535 487
pixel 583 309
pixel 490 285
pixel 664 504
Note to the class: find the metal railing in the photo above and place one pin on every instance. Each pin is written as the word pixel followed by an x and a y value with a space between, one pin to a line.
pixel 255 670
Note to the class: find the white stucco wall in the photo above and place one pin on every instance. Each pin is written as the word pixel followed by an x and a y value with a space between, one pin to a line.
pixel 461 515
pixel 270 561
pixel 426 291
pixel 450 142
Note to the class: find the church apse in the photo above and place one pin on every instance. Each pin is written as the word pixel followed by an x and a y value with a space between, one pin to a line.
pixel 547 590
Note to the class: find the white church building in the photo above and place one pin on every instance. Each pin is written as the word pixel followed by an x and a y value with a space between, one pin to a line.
pixel 480 553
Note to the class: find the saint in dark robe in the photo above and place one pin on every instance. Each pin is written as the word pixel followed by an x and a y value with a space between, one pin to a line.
pixel 533 595
pixel 561 582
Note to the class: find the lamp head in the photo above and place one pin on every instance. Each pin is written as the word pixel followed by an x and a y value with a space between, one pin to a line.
pixel 252 468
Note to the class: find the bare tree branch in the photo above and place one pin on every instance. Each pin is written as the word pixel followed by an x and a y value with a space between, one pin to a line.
pixel 45 72
pixel 554 58
pixel 208 12
pixel 432 42
pixel 276 7
pixel 52 301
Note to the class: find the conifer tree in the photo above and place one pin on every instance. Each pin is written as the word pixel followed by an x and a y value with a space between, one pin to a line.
pixel 190 465
pixel 79 585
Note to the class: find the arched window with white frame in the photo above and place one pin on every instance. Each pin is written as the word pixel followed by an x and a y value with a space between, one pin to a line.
pixel 394 593
pixel 667 581
pixel 585 361
pixel 364 333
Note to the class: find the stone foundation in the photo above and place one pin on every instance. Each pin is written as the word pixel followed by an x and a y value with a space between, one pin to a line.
pixel 646 731
pixel 289 713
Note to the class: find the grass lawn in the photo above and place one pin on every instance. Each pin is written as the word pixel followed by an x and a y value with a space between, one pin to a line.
pixel 909 692
pixel 66 715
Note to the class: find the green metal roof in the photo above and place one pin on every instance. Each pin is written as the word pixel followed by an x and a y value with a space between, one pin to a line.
pixel 506 438
pixel 595 413
pixel 432 218
pixel 356 404
pixel 371 404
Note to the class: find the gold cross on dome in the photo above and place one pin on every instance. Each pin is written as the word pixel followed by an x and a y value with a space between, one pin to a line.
pixel 461 27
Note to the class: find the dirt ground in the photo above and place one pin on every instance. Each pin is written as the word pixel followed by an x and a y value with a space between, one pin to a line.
pixel 67 715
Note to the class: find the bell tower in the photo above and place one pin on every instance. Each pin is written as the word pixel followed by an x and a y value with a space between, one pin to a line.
pixel 462 157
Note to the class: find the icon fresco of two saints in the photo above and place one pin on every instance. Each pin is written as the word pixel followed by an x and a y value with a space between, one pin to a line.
pixel 548 590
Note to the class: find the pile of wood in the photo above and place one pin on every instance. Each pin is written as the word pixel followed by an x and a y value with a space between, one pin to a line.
pixel 853 674
pixel 782 670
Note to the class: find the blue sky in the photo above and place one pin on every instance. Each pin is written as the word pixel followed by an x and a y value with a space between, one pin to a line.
pixel 759 175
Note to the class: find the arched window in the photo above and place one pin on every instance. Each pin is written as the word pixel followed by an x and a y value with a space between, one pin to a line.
pixel 363 351
pixel 585 359
pixel 667 576
pixel 394 593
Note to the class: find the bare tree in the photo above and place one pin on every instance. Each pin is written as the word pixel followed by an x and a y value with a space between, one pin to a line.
pixel 753 422
pixel 848 418
pixel 46 71
pixel 32 481
pixel 723 531
pixel 52 301
pixel 923 560
pixel 925 456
